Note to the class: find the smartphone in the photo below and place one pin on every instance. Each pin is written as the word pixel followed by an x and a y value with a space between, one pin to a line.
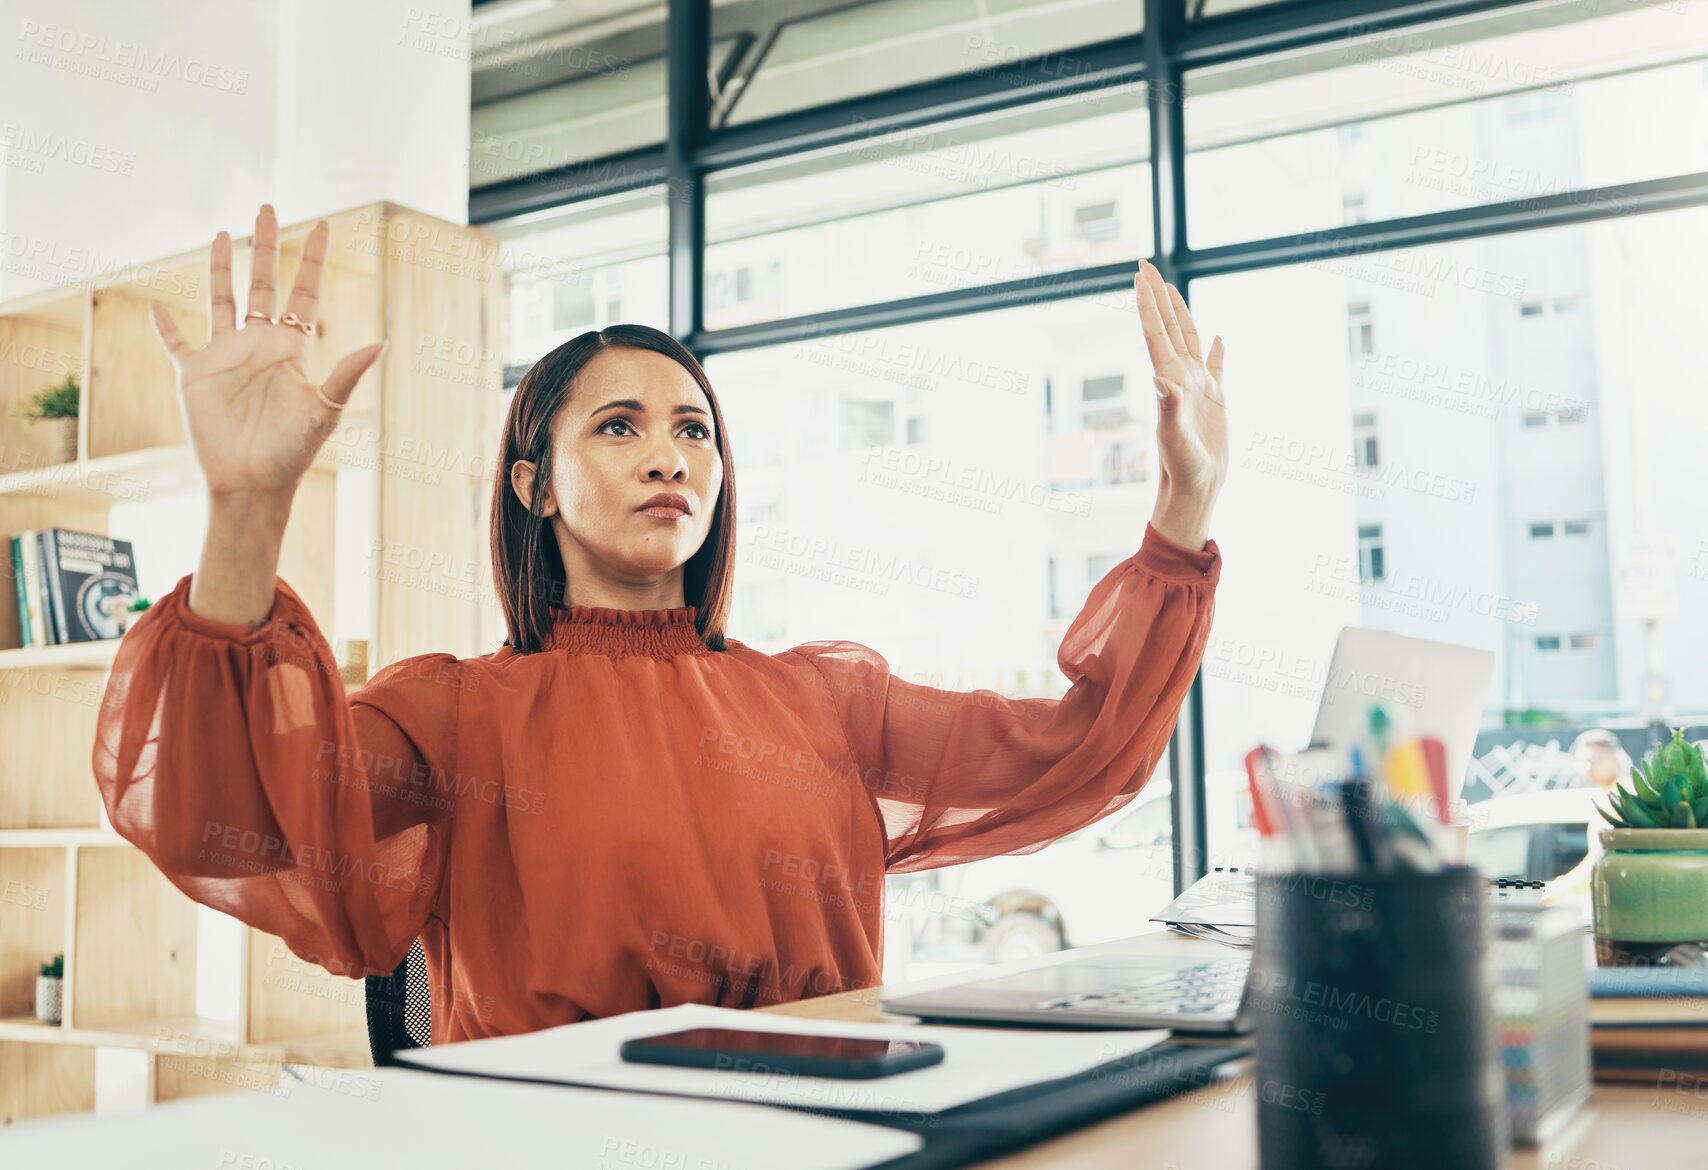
pixel 739 1050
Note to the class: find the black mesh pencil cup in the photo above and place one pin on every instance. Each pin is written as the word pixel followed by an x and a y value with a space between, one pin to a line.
pixel 1375 1033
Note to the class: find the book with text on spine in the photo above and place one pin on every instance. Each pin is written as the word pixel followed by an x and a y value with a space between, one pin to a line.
pixel 88 580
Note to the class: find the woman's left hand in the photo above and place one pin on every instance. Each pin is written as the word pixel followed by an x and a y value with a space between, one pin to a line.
pixel 1192 422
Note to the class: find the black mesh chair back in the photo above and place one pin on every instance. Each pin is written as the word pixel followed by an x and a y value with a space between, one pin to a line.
pixel 400 1008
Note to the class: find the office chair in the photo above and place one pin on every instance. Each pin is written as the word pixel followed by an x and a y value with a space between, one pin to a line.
pixel 399 1008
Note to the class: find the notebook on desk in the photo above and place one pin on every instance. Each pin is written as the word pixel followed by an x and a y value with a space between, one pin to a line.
pixel 1432 688
pixel 995 1091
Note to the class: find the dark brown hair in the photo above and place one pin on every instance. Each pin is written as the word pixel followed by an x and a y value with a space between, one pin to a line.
pixel 527 569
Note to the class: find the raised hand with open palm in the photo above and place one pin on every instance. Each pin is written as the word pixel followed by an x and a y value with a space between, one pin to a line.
pixel 254 417
pixel 1192 419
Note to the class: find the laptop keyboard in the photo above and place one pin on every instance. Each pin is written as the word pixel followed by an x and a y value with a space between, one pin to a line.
pixel 1213 988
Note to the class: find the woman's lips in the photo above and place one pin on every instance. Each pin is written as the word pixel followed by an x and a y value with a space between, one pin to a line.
pixel 665 512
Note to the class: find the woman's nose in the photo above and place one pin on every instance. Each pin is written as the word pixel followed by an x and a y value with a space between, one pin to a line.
pixel 664 459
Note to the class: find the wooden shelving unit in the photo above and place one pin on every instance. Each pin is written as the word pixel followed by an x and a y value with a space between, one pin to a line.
pixel 417 435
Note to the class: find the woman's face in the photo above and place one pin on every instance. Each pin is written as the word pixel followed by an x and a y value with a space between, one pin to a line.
pixel 635 425
pixel 1600 763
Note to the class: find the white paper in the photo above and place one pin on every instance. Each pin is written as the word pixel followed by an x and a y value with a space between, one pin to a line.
pixel 977 1062
pixel 361 1119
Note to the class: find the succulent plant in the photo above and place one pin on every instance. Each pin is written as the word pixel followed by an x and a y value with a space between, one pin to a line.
pixel 1669 790
pixel 55 969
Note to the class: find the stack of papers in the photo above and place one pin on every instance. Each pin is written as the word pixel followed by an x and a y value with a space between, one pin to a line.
pixel 977 1062
pixel 1220 906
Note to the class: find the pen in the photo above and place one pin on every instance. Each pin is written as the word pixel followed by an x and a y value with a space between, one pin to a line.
pixel 1293 817
pixel 1435 760
pixel 1280 839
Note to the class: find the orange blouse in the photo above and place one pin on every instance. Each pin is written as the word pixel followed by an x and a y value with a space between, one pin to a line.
pixel 625 819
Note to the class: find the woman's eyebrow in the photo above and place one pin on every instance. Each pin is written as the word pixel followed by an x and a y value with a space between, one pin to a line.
pixel 636 405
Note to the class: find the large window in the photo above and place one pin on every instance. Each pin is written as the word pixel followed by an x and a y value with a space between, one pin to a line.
pixel 1475 527
pixel 1451 263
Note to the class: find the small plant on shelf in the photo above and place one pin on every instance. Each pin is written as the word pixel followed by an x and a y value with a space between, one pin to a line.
pixel 59 401
pixel 57 406
pixel 50 990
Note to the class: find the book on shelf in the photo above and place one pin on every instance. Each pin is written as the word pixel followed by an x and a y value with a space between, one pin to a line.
pixel 71 586
pixel 26 577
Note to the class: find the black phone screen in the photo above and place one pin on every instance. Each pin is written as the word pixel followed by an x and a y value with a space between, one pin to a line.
pixel 738 1049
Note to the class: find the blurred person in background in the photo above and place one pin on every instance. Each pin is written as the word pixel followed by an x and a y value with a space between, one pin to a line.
pixel 1602 762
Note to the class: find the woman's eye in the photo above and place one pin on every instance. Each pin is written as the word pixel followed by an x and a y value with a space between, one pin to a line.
pixel 703 431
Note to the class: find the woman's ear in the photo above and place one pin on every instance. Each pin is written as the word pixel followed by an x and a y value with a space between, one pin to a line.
pixel 522 483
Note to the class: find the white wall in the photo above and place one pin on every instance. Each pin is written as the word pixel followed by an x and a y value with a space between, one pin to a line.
pixel 134 131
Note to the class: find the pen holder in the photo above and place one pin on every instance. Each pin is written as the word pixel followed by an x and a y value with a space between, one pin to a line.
pixel 1375 1038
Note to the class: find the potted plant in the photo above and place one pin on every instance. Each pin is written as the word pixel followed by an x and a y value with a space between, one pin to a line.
pixel 50 990
pixel 56 409
pixel 1650 886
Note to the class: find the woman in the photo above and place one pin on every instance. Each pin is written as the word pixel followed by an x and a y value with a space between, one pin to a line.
pixel 620 808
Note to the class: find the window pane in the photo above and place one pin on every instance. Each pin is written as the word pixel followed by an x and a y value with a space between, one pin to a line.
pixel 923 552
pixel 1431 118
pixel 594 264
pixel 972 202
pixel 868 48
pixel 619 106
pixel 1462 480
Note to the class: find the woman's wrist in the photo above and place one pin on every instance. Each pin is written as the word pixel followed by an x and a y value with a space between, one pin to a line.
pixel 1184 516
pixel 239 567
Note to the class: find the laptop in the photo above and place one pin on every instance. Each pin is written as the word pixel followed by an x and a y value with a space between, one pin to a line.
pixel 1427 688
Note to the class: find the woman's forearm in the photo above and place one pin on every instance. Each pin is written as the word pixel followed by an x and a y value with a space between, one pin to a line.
pixel 1182 516
pixel 236 576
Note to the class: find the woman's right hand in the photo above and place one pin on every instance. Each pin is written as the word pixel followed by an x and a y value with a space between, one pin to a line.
pixel 254 418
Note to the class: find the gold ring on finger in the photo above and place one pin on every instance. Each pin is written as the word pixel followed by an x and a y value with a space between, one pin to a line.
pixel 257 314
pixel 321 394
pixel 296 322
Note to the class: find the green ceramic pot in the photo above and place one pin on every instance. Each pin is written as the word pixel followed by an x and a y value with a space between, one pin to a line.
pixel 1651 886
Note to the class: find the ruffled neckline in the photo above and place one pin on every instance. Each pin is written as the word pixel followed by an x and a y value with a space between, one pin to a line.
pixel 624 633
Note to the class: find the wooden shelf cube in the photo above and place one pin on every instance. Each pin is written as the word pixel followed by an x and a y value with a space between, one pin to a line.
pixel 134 949
pixel 35 905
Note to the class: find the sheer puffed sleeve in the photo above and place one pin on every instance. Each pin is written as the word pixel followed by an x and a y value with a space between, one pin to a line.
pixel 960 775
pixel 232 757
